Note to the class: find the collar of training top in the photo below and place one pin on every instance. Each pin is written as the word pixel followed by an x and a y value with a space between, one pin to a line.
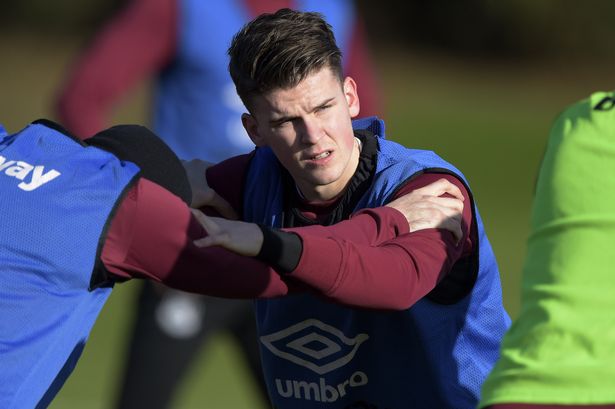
pixel 357 187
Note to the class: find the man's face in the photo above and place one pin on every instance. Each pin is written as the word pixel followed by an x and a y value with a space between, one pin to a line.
pixel 309 129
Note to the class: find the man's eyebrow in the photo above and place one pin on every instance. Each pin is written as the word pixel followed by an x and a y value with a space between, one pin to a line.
pixel 282 119
pixel 325 103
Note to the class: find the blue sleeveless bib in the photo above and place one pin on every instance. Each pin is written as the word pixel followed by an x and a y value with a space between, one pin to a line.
pixel 317 354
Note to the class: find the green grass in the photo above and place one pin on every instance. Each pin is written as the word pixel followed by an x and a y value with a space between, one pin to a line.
pixel 218 378
pixel 490 120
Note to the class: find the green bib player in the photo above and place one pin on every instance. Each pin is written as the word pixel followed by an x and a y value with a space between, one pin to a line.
pixel 561 349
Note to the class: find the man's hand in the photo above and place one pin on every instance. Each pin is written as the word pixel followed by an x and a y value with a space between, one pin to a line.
pixel 242 238
pixel 202 194
pixel 425 208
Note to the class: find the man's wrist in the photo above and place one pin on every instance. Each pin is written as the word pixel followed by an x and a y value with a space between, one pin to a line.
pixel 281 250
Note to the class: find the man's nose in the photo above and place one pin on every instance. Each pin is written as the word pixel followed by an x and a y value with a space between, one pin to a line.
pixel 311 132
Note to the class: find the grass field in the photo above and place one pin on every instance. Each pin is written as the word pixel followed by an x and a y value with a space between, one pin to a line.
pixel 489 119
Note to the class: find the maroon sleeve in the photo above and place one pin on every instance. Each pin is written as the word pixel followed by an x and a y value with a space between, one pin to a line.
pixel 361 69
pixel 367 226
pixel 393 274
pixel 130 48
pixel 151 237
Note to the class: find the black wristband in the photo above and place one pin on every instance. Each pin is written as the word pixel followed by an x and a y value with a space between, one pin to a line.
pixel 280 249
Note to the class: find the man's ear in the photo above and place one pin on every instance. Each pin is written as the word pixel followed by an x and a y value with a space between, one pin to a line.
pixel 251 127
pixel 352 97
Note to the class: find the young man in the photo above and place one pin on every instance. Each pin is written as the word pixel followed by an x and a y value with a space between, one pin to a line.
pixel 78 217
pixel 433 329
pixel 181 45
pixel 560 351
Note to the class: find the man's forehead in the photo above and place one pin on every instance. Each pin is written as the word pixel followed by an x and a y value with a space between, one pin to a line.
pixel 307 95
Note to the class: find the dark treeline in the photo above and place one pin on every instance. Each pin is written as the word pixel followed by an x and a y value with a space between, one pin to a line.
pixel 506 28
pixel 483 28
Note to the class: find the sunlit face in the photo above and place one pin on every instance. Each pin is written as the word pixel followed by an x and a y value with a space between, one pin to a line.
pixel 309 129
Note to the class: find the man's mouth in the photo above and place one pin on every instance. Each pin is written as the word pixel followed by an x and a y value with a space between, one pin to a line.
pixel 321 155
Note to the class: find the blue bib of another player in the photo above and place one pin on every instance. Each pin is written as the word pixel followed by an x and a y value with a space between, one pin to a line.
pixel 57 197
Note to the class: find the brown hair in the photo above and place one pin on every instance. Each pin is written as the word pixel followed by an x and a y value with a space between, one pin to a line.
pixel 279 50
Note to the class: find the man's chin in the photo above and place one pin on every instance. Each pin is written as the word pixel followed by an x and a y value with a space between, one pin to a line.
pixel 321 180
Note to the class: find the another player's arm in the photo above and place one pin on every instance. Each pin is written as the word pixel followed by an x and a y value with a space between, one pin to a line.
pixel 393 275
pixel 151 237
pixel 343 263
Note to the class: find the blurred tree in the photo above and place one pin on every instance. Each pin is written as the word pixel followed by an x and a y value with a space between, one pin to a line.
pixel 496 28
pixel 482 28
pixel 58 16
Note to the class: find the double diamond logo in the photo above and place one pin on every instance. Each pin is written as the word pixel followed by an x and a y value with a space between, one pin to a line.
pixel 314 345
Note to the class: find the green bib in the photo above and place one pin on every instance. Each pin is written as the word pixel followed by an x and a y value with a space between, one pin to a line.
pixel 561 348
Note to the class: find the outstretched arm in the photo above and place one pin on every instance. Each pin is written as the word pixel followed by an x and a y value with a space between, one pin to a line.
pixel 151 237
pixel 392 275
pixel 423 208
pixel 372 260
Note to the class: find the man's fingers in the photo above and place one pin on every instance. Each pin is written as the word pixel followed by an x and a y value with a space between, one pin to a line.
pixel 222 206
pixel 440 213
pixel 440 187
pixel 207 222
pixel 452 224
pixel 214 235
pixel 437 206
pixel 213 240
pixel 445 202
pixel 203 242
pixel 200 216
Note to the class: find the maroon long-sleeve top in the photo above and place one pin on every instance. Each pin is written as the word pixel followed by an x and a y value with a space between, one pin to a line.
pixel 370 260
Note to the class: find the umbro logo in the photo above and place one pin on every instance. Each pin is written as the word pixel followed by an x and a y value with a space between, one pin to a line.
pixel 314 345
